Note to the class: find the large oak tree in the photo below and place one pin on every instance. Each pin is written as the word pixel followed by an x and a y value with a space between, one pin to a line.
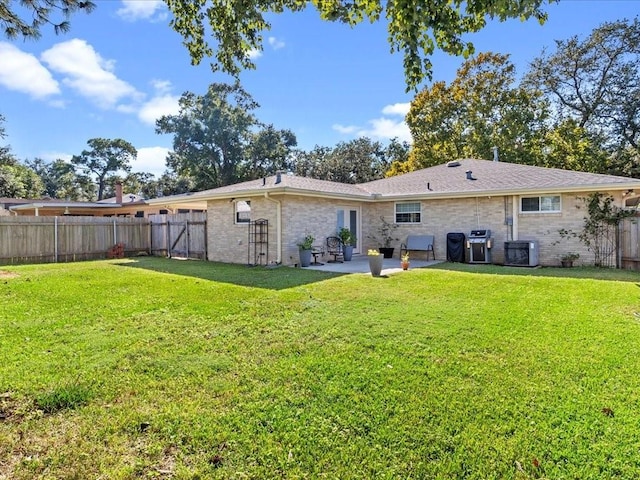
pixel 105 156
pixel 210 134
pixel 482 108
pixel 593 83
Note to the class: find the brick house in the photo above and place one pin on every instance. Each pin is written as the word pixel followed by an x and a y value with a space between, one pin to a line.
pixel 516 202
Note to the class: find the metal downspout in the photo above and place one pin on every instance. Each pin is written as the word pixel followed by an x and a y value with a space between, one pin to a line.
pixel 516 211
pixel 278 227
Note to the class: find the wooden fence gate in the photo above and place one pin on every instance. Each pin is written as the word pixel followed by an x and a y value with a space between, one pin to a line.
pixel 181 235
pixel 630 243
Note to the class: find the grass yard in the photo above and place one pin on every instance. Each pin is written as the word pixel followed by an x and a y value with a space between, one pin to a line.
pixel 152 368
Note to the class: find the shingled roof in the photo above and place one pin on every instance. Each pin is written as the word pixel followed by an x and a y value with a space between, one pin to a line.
pixel 470 177
pixel 279 184
pixel 462 178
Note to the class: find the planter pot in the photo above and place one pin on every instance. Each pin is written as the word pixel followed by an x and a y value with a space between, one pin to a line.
pixel 305 257
pixel 347 252
pixel 375 264
pixel 387 252
pixel 405 265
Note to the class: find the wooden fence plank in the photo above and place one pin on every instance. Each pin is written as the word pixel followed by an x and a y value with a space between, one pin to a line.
pixel 25 239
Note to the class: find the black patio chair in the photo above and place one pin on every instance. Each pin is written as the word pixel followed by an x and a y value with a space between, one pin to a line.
pixel 334 247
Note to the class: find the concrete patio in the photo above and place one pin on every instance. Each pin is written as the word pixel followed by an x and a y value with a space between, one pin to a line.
pixel 360 264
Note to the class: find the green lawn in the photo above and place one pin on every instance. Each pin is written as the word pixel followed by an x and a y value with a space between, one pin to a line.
pixel 152 368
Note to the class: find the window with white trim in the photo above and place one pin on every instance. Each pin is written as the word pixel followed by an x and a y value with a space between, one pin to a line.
pixel 243 211
pixel 408 212
pixel 541 204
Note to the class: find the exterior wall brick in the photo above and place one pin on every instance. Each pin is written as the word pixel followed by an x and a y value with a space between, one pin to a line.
pixel 315 216
pixel 545 227
pixel 228 242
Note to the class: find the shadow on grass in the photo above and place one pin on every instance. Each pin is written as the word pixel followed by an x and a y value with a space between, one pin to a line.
pixel 277 278
pixel 593 273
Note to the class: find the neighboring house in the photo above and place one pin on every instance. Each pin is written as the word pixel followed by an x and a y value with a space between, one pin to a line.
pixel 122 205
pixel 516 202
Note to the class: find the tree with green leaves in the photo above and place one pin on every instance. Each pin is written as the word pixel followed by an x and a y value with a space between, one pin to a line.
pixel 569 146
pixel 6 156
pixel 268 150
pixel 415 28
pixel 482 108
pixel 105 156
pixel 60 180
pixel 27 17
pixel 210 135
pixel 169 183
pixel 19 181
pixel 594 82
pixel 356 161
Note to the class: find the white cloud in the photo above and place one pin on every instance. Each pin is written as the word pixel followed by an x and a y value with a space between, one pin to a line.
pixel 254 53
pixel 161 86
pixel 51 156
pixel 397 109
pixel 151 160
pixel 382 128
pixel 88 73
pixel 275 43
pixel 133 10
pixel 345 129
pixel 386 129
pixel 22 72
pixel 157 107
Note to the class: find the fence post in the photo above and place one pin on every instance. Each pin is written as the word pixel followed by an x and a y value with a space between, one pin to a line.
pixel 168 238
pixel 55 239
pixel 115 232
pixel 186 226
pixel 150 237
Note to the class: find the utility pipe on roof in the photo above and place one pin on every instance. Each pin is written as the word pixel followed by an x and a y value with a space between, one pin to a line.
pixel 278 226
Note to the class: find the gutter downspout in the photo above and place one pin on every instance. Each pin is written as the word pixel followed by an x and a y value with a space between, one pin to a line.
pixel 278 227
pixel 516 211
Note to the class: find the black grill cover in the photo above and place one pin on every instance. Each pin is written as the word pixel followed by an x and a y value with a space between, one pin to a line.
pixel 455 247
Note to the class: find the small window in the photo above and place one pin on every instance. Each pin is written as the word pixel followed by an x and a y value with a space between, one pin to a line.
pixel 547 203
pixel 243 211
pixel 408 212
pixel 164 211
pixel 140 214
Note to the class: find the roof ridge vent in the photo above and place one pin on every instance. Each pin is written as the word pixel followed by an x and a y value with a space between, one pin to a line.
pixel 453 163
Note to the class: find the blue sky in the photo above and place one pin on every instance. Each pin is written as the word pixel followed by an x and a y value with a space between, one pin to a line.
pixel 121 67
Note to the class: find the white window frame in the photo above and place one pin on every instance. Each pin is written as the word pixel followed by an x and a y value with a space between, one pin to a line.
pixel 540 203
pixel 418 211
pixel 236 212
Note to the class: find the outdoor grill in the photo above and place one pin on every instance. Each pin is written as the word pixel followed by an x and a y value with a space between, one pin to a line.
pixel 479 246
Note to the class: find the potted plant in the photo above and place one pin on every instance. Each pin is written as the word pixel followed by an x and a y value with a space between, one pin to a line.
pixel 304 249
pixel 375 262
pixel 404 261
pixel 348 240
pixel 384 237
pixel 568 258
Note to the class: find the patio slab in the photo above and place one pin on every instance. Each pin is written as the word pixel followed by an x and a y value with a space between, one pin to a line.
pixel 360 264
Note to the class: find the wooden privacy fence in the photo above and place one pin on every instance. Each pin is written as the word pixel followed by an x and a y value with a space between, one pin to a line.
pixel 630 243
pixel 179 235
pixel 25 239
